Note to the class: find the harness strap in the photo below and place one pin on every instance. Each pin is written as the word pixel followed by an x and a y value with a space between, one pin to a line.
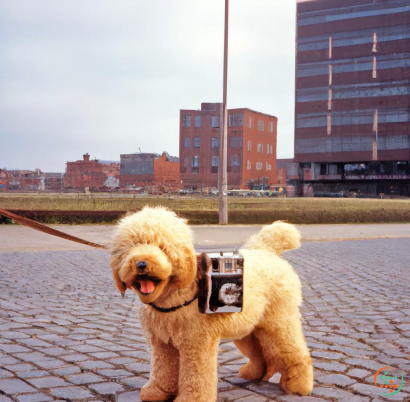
pixel 171 309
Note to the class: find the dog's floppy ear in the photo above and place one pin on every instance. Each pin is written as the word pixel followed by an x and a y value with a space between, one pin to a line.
pixel 185 259
pixel 116 261
pixel 118 282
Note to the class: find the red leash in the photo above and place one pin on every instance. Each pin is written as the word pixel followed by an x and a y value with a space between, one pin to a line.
pixel 45 229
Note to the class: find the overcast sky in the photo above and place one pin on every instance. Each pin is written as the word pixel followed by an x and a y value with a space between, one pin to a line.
pixel 109 77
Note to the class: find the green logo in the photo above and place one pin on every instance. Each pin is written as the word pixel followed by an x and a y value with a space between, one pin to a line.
pixel 389 381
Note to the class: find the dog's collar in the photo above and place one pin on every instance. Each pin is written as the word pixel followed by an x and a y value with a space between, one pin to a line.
pixel 171 309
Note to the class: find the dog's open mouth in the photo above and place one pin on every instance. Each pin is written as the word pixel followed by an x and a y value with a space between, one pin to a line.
pixel 145 284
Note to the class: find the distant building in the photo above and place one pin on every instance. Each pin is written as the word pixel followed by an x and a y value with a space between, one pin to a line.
pixel 91 173
pixel 353 96
pixel 4 180
pixel 148 170
pixel 30 180
pixel 251 149
pixel 53 181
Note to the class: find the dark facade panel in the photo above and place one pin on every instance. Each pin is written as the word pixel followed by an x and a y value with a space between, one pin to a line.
pixel 346 24
pixel 353 37
pixel 344 105
pixel 137 164
pixel 353 13
pixel 355 78
pixel 362 143
pixel 350 157
pixel 357 129
pixel 357 51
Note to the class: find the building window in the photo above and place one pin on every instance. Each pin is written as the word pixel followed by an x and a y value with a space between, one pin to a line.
pixel 261 125
pixel 236 142
pixel 269 149
pixel 197 142
pixel 235 160
pixel 197 121
pixel 249 145
pixel 185 162
pixel 236 120
pixel 250 122
pixel 215 121
pixel 260 148
pixel 215 161
pixel 186 120
pixel 323 169
pixel 187 142
pixel 195 164
pixel 271 126
pixel 215 142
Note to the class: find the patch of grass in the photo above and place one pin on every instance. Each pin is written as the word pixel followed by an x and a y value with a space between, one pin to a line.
pixel 81 208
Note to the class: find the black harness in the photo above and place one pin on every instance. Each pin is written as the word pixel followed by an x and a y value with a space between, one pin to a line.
pixel 171 309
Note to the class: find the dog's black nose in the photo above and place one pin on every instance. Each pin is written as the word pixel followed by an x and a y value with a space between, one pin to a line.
pixel 142 265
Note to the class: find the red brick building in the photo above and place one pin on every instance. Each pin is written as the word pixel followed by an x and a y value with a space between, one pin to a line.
pixel 149 169
pixel 91 173
pixel 28 180
pixel 252 140
pixel 4 180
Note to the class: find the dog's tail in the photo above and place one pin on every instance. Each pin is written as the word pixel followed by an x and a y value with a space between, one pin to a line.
pixel 278 237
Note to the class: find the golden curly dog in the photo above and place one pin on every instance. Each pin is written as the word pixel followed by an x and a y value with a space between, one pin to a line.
pixel 153 253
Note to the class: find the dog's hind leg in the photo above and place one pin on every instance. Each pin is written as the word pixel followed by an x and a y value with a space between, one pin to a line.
pixel 163 382
pixel 285 350
pixel 251 348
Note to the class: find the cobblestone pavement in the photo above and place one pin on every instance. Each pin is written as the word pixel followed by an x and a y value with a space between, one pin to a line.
pixel 66 334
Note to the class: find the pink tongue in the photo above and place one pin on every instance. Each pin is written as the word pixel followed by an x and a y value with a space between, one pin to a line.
pixel 147 286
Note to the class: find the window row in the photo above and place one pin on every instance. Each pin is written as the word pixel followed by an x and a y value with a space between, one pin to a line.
pixel 235 161
pixel 236 142
pixel 186 121
pixel 234 120
pixel 261 125
pixel 269 148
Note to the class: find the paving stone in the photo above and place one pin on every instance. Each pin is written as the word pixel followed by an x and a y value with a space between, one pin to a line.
pixel 33 373
pixel 359 373
pixel 33 398
pixel 135 382
pixel 19 367
pixel 234 394
pixel 132 396
pixel 328 355
pixel 14 386
pixel 106 388
pixel 67 370
pixel 140 367
pixel 48 382
pixel 4 398
pixel 85 378
pixel 330 366
pixel 71 393
pixel 96 364
pixel 5 374
pixel 337 379
pixel 114 373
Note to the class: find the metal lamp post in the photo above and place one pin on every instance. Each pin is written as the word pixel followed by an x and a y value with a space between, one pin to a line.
pixel 223 136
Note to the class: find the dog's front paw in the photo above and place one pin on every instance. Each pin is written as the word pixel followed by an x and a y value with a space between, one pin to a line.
pixel 150 392
pixel 251 371
pixel 298 380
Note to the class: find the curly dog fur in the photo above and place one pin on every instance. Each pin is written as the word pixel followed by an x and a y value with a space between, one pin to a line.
pixel 185 342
